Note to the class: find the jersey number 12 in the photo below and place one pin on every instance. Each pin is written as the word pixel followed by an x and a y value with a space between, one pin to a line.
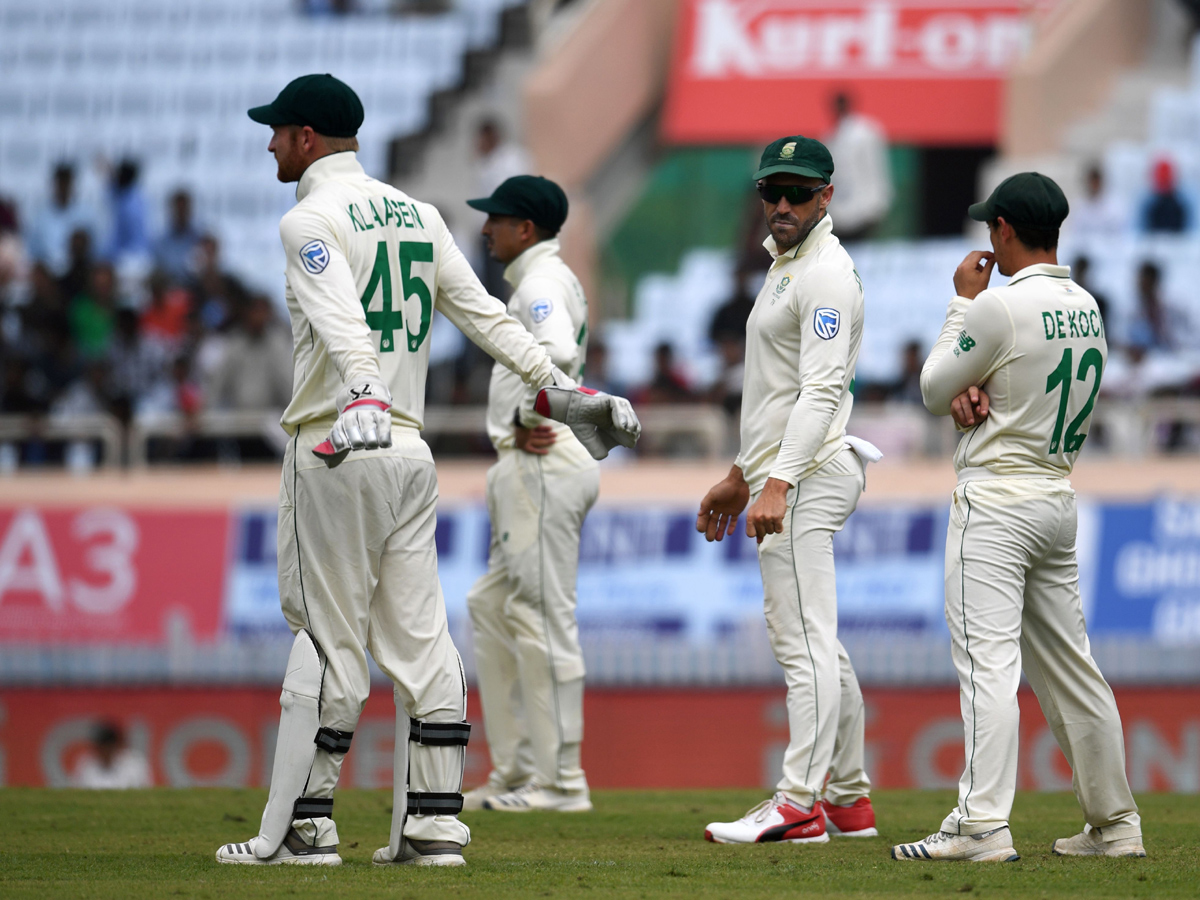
pixel 388 319
pixel 1091 359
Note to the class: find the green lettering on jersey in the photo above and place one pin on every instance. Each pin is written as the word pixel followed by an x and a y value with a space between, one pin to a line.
pixel 405 216
pixel 1072 324
pixel 356 216
pixel 375 212
pixel 966 342
pixel 1058 317
pixel 387 319
pixel 1048 324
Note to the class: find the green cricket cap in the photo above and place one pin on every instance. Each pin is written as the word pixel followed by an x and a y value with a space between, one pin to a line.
pixel 1028 198
pixel 323 103
pixel 798 155
pixel 527 197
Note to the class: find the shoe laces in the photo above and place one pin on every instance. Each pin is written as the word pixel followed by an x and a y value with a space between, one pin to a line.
pixel 937 837
pixel 764 809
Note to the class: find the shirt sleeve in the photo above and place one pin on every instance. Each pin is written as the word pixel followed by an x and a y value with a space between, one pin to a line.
pixel 824 364
pixel 975 340
pixel 483 318
pixel 540 306
pixel 323 284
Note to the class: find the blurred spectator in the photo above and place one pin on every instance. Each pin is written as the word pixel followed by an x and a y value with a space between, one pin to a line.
pixel 128 236
pixel 1156 324
pixel 78 276
pixel 134 365
pixel 44 314
pixel 175 392
pixel 727 390
pixel 91 313
pixel 53 225
pixel 256 372
pixel 219 296
pixel 862 191
pixel 595 374
pixel 1166 211
pixel 907 388
pixel 175 250
pixel 729 321
pixel 165 318
pixel 1096 214
pixel 497 161
pixel 15 398
pixel 86 395
pixel 111 765
pixel 1081 274
pixel 667 385
pixel 12 253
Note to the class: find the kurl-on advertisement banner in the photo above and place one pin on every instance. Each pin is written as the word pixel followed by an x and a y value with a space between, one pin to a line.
pixel 930 71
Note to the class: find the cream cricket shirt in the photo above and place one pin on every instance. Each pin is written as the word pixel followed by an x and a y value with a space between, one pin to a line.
pixel 802 344
pixel 548 300
pixel 366 266
pixel 1037 347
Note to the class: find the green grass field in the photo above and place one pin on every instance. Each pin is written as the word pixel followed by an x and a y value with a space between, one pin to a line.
pixel 160 843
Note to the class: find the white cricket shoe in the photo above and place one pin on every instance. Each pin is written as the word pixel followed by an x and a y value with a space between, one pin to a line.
pixel 473 799
pixel 1086 843
pixel 530 797
pixel 990 846
pixel 292 852
pixel 421 853
pixel 777 819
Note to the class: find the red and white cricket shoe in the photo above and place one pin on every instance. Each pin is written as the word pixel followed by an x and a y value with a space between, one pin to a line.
pixel 855 820
pixel 776 819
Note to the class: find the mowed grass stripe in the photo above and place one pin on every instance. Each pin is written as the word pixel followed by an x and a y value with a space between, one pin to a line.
pixel 637 844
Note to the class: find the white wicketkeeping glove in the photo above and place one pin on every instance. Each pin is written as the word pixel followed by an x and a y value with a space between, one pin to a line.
pixel 364 421
pixel 600 421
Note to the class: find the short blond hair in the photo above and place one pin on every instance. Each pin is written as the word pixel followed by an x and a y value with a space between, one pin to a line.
pixel 340 144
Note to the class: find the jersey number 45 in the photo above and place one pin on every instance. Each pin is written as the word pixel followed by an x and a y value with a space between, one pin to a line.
pixel 391 317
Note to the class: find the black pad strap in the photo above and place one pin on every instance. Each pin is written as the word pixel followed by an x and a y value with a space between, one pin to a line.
pixel 429 803
pixel 439 734
pixel 313 808
pixel 333 741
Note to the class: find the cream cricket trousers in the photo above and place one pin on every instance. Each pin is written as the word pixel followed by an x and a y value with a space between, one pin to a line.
pixel 528 662
pixel 825 705
pixel 358 570
pixel 1012 600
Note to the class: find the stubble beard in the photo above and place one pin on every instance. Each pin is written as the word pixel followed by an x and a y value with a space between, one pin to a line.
pixel 783 239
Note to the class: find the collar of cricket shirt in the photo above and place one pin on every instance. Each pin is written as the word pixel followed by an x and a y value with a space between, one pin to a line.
pixel 516 270
pixel 1041 269
pixel 818 234
pixel 328 168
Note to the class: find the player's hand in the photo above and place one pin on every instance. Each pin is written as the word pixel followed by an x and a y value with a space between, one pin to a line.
pixel 600 421
pixel 537 441
pixel 973 273
pixel 766 515
pixel 364 421
pixel 721 506
pixel 970 407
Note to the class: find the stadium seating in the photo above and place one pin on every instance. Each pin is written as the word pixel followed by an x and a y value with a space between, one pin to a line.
pixel 168 82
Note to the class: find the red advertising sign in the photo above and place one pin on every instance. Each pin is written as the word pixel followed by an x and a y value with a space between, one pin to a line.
pixel 931 71
pixel 110 575
pixel 635 738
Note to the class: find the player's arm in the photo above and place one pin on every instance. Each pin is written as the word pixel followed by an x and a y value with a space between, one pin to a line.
pixel 540 306
pixel 975 340
pixel 325 290
pixel 484 320
pixel 327 295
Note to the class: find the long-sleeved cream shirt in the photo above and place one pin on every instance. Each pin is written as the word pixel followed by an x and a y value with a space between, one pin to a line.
pixel 802 343
pixel 366 267
pixel 549 301
pixel 1037 347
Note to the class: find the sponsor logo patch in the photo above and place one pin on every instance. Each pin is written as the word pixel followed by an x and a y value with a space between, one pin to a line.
pixel 826 322
pixel 966 342
pixel 788 151
pixel 315 256
pixel 541 309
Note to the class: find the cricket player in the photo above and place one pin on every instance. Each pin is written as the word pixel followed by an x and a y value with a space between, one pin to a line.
pixel 528 663
pixel 366 266
pixel 1019 368
pixel 804 476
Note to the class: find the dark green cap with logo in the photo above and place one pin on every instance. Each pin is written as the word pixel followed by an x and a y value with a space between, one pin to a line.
pixel 1029 199
pixel 323 103
pixel 797 155
pixel 527 197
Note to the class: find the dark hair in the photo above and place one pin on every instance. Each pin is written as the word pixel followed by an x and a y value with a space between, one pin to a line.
pixel 126 174
pixel 543 234
pixel 1033 238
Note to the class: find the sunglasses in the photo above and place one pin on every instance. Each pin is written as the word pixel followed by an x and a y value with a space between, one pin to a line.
pixel 793 193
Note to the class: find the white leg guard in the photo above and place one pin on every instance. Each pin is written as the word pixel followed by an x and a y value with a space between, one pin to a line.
pixel 427 784
pixel 300 736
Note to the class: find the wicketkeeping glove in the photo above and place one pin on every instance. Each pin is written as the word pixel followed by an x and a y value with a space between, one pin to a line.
pixel 364 421
pixel 600 421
